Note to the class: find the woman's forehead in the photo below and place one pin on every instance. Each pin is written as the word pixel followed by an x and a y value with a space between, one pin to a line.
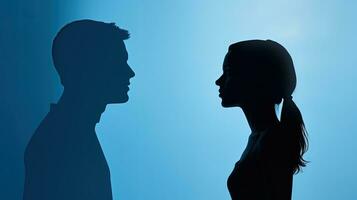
pixel 230 61
pixel 226 64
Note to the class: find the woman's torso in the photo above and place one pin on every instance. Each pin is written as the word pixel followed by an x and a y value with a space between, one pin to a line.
pixel 260 174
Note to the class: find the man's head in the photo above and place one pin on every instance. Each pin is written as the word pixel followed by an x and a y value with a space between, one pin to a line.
pixel 90 58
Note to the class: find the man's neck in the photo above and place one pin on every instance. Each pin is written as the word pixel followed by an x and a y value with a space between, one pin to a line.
pixel 80 106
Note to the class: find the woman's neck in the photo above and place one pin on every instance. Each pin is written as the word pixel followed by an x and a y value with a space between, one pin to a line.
pixel 260 116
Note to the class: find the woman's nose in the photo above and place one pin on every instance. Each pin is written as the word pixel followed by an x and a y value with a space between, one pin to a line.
pixel 219 81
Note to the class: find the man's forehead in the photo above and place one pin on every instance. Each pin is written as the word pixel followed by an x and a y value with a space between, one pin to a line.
pixel 119 46
pixel 125 54
pixel 123 49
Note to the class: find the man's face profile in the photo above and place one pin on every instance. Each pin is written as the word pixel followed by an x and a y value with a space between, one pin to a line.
pixel 115 73
pixel 91 59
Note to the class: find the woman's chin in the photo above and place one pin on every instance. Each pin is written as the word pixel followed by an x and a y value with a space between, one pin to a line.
pixel 228 104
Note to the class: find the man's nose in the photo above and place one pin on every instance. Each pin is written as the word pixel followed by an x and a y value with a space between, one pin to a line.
pixel 131 72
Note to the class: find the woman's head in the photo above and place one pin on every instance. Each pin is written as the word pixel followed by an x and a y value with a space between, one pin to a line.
pixel 261 72
pixel 256 71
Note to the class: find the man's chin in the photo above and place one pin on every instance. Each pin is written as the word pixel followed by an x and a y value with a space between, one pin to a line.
pixel 121 99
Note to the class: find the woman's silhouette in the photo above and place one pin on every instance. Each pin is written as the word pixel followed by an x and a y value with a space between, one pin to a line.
pixel 257 76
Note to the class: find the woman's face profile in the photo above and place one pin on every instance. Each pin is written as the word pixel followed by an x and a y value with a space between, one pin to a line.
pixel 232 83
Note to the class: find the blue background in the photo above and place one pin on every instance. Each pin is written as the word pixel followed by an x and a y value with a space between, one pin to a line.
pixel 173 140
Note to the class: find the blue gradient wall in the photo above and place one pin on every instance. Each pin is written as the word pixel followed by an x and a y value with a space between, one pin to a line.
pixel 173 138
pixel 27 83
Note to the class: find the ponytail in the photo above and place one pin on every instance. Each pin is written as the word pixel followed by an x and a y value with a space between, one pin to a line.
pixel 294 128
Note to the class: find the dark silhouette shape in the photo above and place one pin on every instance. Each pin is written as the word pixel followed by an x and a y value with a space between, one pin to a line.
pixel 64 159
pixel 257 75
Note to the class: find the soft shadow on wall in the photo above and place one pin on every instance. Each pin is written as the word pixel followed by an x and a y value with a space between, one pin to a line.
pixel 28 81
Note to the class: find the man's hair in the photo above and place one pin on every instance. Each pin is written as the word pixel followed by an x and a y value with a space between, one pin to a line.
pixel 79 44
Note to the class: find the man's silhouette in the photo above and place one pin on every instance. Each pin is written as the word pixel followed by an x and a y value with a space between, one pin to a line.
pixel 64 159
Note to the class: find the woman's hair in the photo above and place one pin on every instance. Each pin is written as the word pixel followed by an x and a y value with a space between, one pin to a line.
pixel 271 71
